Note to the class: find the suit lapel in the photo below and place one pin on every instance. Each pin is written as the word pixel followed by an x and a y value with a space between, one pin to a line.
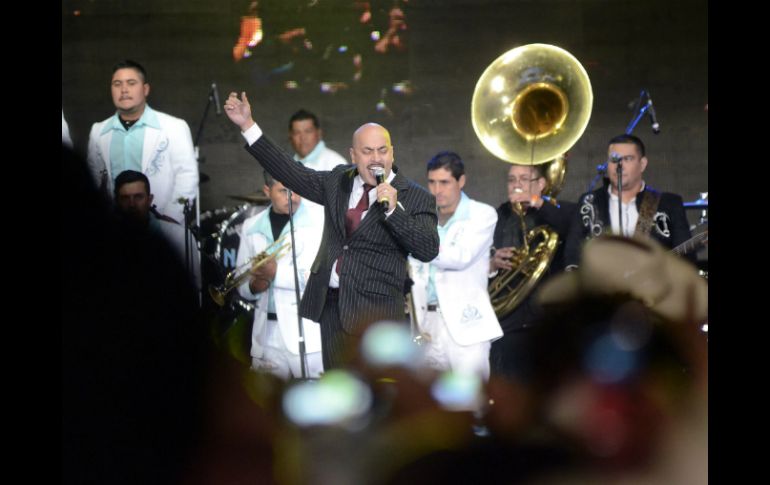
pixel 400 183
pixel 104 142
pixel 602 205
pixel 150 146
pixel 342 197
pixel 376 213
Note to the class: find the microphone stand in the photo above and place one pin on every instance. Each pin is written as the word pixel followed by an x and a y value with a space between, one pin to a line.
pixel 601 170
pixel 301 327
pixel 642 107
pixel 199 134
pixel 620 195
pixel 189 234
pixel 211 98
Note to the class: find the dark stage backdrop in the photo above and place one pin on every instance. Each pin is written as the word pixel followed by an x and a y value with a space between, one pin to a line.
pixel 419 84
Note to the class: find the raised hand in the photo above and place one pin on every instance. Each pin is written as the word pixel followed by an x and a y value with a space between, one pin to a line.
pixel 239 110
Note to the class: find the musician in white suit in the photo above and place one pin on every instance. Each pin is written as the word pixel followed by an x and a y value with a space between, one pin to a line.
pixel 139 138
pixel 305 136
pixel 451 302
pixel 275 332
pixel 66 139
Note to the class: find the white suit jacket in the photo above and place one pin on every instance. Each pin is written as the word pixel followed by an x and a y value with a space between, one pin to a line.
pixel 168 160
pixel 322 158
pixel 461 269
pixel 256 235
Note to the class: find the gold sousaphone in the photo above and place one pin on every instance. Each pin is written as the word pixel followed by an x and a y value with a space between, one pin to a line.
pixel 529 107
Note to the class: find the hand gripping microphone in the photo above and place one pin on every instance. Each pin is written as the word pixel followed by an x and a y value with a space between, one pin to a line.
pixel 379 175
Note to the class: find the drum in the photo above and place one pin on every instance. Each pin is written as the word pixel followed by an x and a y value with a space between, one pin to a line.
pixel 229 237
pixel 224 253
pixel 211 223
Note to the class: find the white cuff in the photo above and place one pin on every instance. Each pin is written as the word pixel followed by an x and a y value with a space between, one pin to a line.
pixel 252 134
pixel 391 211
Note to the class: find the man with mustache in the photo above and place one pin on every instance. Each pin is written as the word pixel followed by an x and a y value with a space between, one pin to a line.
pixel 139 138
pixel 370 228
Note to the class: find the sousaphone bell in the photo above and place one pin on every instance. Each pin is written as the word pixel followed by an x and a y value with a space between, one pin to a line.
pixel 530 106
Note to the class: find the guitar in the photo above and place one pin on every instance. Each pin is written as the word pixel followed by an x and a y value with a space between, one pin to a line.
pixel 692 244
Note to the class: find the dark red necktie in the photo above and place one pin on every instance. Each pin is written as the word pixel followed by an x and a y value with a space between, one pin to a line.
pixel 353 216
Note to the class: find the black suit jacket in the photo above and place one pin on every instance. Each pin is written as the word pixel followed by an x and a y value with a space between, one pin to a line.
pixel 373 268
pixel 508 233
pixel 670 226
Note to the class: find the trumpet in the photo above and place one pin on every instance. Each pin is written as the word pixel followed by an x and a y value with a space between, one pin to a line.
pixel 239 275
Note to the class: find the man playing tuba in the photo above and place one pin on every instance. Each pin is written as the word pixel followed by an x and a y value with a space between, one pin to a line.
pixel 516 246
pixel 546 101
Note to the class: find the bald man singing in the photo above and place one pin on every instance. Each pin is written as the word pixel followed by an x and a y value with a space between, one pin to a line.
pixel 369 230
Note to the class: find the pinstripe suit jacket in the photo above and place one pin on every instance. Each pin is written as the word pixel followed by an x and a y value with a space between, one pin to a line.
pixel 373 268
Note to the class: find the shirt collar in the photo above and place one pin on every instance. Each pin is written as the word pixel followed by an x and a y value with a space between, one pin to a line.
pixel 463 211
pixel 614 197
pixel 149 118
pixel 358 182
pixel 262 225
pixel 312 157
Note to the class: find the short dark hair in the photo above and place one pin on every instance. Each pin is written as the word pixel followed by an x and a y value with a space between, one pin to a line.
pixel 303 115
pixel 628 139
pixel 269 180
pixel 539 168
pixel 129 64
pixel 449 160
pixel 128 177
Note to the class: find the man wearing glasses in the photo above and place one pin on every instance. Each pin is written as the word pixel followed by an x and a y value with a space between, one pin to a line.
pixel 509 356
pixel 645 210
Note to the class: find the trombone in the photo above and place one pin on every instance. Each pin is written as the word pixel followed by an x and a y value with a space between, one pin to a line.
pixel 235 279
pixel 418 336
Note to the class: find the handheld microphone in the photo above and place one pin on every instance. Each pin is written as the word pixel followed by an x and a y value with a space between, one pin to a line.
pixel 379 175
pixel 615 157
pixel 653 117
pixel 217 104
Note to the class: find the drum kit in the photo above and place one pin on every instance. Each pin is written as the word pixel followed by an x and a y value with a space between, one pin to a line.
pixel 701 204
pixel 698 204
pixel 219 238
